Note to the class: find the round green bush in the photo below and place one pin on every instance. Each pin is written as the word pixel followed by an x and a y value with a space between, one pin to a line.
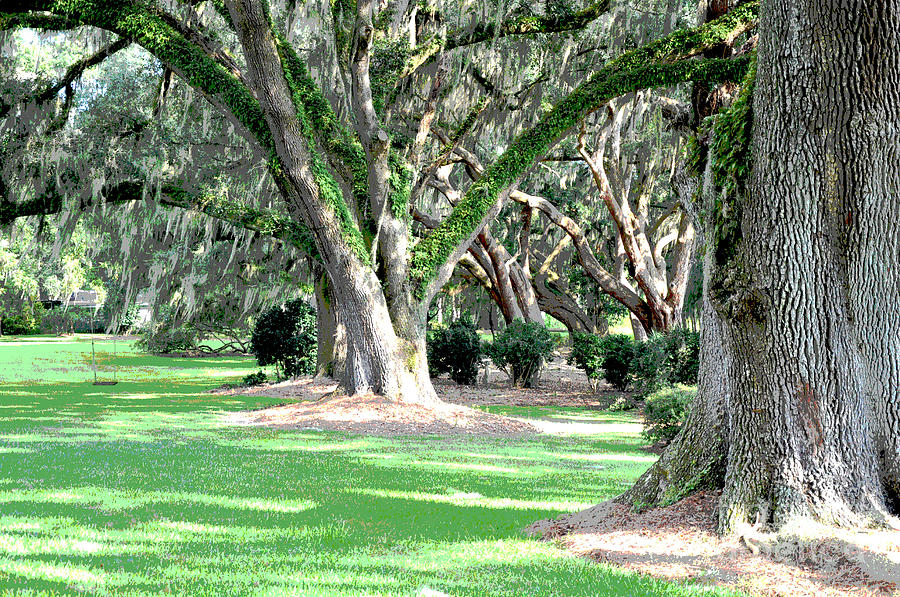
pixel 255 379
pixel 663 359
pixel 286 337
pixel 520 350
pixel 683 356
pixel 665 410
pixel 586 356
pixel 456 350
pixel 616 355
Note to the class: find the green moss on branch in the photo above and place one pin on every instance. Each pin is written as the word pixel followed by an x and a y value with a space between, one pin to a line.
pixel 218 205
pixel 731 163
pixel 532 24
pixel 336 140
pixel 617 78
pixel 46 22
pixel 317 120
pixel 528 25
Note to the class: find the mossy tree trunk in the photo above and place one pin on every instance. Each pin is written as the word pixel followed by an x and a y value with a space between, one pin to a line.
pixel 802 271
pixel 816 273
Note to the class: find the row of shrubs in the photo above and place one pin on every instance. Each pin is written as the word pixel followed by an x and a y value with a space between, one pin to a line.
pixel 662 371
pixel 520 350
pixel 663 359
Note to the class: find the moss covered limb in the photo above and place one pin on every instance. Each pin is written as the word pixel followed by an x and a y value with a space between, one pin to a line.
pixel 482 32
pixel 45 22
pixel 44 204
pixel 632 72
pixel 317 120
pixel 210 202
pixel 730 159
pixel 527 25
pixel 659 63
pixel 218 205
pixel 344 152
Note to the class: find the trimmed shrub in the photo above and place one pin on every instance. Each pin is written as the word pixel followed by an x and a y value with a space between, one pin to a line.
pixel 663 359
pixel 520 350
pixel 616 353
pixel 587 356
pixel 665 411
pixel 286 337
pixel 255 379
pixel 622 403
pixel 649 365
pixel 683 356
pixel 456 350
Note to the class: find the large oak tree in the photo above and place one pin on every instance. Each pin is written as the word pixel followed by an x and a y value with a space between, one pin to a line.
pixel 336 165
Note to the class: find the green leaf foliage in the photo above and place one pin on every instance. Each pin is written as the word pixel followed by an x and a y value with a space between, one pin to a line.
pixel 665 358
pixel 665 410
pixel 456 350
pixel 286 337
pixel 520 350
pixel 649 66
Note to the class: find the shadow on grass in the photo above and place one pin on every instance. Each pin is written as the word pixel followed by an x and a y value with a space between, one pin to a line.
pixel 139 488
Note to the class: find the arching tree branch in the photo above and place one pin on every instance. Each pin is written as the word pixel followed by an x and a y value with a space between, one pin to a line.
pixel 72 73
pixel 656 64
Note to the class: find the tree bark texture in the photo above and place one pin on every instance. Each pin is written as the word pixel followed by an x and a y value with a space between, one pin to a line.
pixel 802 269
pixel 814 316
pixel 377 359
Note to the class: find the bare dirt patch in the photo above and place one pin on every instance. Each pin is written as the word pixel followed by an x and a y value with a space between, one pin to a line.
pixel 311 403
pixel 375 415
pixel 561 384
pixel 680 543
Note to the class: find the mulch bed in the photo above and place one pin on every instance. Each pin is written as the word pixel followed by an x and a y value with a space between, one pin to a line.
pixel 680 543
pixel 312 404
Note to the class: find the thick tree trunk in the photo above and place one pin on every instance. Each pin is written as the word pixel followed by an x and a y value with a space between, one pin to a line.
pixel 380 359
pixel 806 281
pixel 817 367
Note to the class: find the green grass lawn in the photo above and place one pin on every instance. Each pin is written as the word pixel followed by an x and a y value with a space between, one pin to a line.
pixel 138 489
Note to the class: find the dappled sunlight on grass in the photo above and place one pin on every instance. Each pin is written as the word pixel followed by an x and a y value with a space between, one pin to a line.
pixel 122 500
pixel 142 489
pixel 476 499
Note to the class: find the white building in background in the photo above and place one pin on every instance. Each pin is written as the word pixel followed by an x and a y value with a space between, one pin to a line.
pixel 82 298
